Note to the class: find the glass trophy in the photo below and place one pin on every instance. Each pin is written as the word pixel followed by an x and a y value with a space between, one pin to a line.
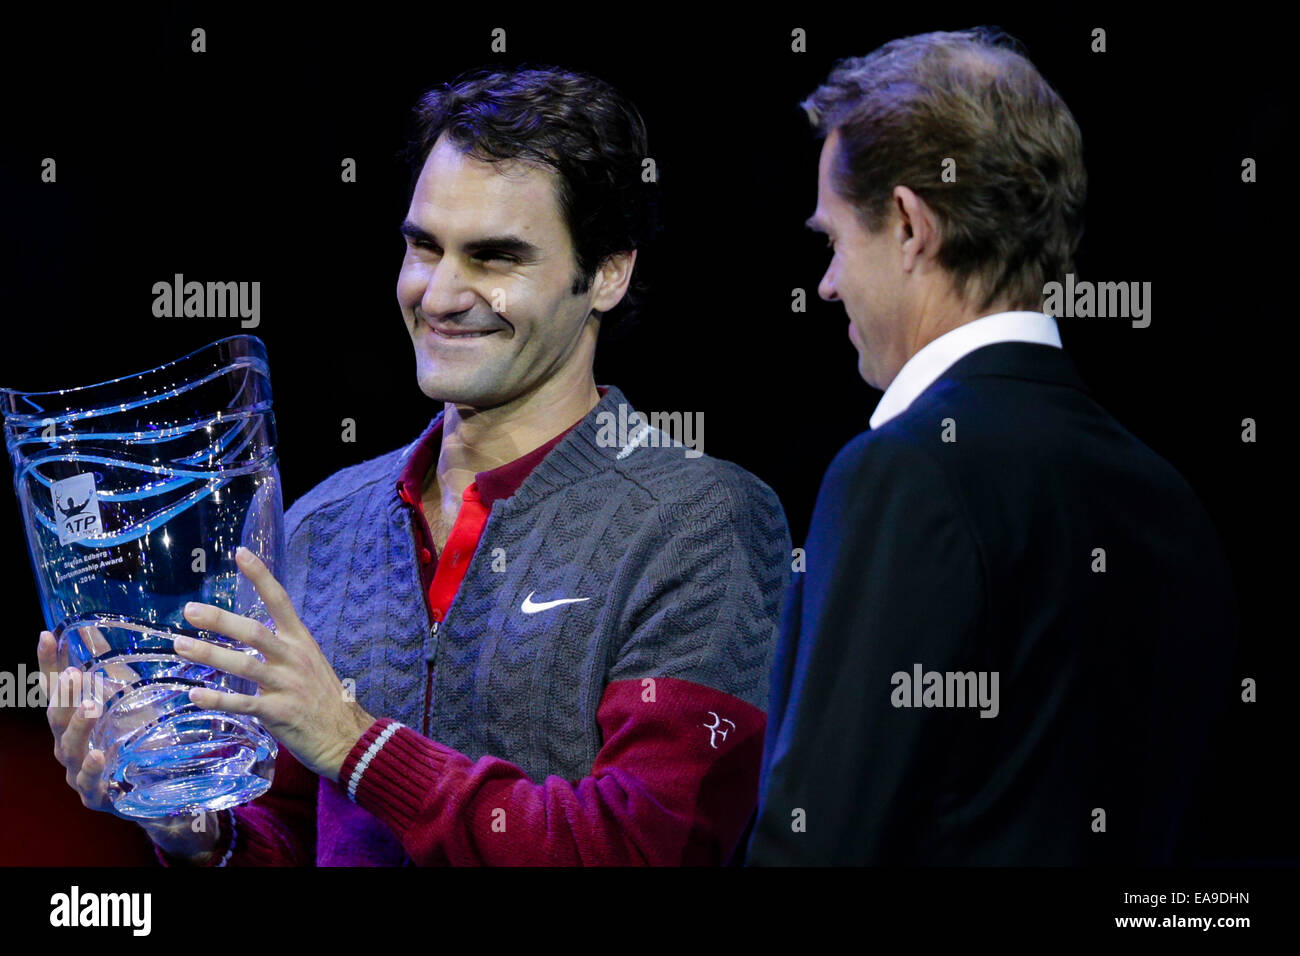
pixel 135 494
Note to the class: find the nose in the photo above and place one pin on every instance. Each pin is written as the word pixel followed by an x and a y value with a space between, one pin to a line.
pixel 446 293
pixel 826 288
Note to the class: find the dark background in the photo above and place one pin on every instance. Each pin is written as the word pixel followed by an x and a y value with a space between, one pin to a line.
pixel 225 166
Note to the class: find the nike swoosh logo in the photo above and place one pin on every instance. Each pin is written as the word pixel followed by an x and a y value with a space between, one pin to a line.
pixel 528 607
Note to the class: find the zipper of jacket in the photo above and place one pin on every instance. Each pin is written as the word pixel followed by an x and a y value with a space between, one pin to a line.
pixel 428 676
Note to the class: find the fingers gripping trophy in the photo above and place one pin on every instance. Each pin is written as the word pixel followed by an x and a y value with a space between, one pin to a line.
pixel 135 494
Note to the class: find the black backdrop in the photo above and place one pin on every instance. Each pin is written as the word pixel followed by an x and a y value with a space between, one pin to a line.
pixel 225 166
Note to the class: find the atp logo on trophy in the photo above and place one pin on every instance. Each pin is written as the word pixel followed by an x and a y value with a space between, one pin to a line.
pixel 76 506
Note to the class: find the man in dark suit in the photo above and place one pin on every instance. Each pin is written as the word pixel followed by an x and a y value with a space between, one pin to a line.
pixel 1014 634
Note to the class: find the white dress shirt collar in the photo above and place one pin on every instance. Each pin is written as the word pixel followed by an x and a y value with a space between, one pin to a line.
pixel 924 368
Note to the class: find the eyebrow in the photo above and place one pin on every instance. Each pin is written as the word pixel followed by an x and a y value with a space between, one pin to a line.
pixel 511 245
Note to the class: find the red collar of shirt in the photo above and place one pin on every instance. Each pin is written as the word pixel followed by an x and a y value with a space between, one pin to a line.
pixel 500 482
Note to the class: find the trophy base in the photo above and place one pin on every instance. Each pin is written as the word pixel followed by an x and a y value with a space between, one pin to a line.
pixel 202 760
pixel 165 755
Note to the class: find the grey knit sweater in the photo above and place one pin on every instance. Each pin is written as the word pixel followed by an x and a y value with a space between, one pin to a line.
pixel 682 563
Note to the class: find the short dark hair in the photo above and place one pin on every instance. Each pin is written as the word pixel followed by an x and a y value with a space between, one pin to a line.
pixel 1013 219
pixel 574 124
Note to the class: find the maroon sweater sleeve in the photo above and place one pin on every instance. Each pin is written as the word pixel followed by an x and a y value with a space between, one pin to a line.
pixel 276 829
pixel 674 783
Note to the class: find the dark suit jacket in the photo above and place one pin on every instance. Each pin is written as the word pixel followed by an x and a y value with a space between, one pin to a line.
pixel 978 555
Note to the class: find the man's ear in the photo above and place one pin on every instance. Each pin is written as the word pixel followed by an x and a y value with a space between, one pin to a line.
pixel 612 279
pixel 918 226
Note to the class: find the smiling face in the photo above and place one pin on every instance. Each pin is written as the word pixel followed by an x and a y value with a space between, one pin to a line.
pixel 486 286
pixel 864 274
